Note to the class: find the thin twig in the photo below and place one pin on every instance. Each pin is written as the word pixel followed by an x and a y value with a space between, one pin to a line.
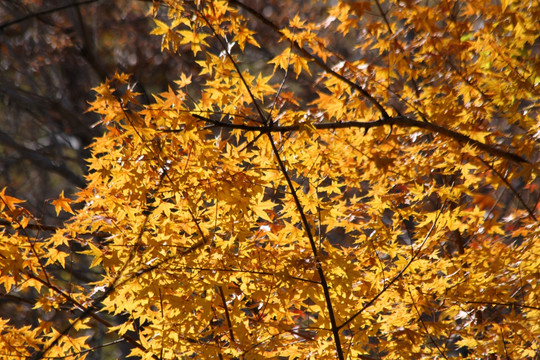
pixel 425 327
pixel 32 244
pixel 269 119
pixel 229 56
pixel 503 304
pixel 51 228
pixel 383 14
pixel 315 59
pixel 86 312
pixel 72 355
pixel 399 275
pixel 507 183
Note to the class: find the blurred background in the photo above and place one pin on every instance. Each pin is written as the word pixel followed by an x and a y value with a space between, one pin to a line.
pixel 52 53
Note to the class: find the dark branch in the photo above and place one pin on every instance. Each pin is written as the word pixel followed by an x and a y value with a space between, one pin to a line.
pixel 229 56
pixel 318 265
pixel 89 311
pixel 100 235
pixel 507 183
pixel 44 12
pixel 400 121
pixel 386 119
pixel 42 161
pixel 509 304
pixel 227 316
pixel 433 341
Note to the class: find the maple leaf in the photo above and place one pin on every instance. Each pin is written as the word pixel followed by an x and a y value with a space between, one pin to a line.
pixel 184 80
pixel 254 214
pixel 62 203
pixel 8 201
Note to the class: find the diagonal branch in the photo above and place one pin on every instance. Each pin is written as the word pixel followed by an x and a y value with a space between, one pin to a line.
pixel 397 277
pixel 43 12
pixel 87 311
pixel 305 224
pixel 507 183
pixel 42 161
pixel 227 316
pixel 114 284
pixel 229 56
pixel 425 326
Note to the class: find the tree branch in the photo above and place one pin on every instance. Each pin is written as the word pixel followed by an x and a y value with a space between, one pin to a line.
pixel 229 56
pixel 507 183
pixel 318 265
pixel 40 227
pixel 399 275
pixel 227 316
pixel 399 121
pixel 494 303
pixel 386 119
pixel 44 12
pixel 42 161
pixel 433 341
pixel 86 312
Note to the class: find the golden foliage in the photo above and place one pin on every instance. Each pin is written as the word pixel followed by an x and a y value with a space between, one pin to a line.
pixel 380 203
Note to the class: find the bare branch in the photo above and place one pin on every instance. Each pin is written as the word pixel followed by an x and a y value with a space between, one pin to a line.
pixel 44 12
pixel 41 161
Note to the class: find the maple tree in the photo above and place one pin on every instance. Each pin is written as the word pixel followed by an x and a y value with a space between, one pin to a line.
pixel 367 190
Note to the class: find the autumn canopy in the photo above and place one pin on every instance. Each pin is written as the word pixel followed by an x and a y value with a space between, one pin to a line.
pixel 354 180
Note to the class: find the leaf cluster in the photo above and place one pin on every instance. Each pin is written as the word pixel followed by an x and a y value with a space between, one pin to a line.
pixel 369 191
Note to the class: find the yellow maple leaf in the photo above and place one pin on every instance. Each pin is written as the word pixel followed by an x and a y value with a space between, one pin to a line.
pixel 184 80
pixel 62 203
pixel 8 201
